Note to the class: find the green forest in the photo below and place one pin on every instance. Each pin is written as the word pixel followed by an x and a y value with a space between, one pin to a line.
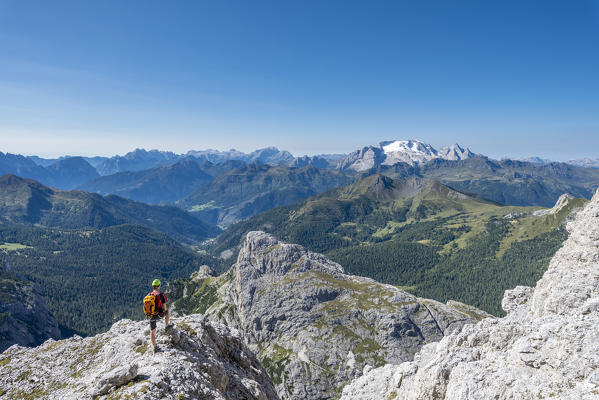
pixel 92 278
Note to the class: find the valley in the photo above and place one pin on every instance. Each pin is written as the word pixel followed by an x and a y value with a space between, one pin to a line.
pixel 324 269
pixel 420 235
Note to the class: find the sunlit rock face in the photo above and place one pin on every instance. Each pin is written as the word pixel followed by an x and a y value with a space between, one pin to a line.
pixel 546 347
pixel 313 326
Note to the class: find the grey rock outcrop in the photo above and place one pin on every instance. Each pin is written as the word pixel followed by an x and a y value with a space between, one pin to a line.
pixel 24 317
pixel 546 347
pixel 314 327
pixel 455 152
pixel 199 360
pixel 561 202
pixel 363 159
pixel 305 161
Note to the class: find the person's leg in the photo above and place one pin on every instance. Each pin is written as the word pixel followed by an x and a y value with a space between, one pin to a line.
pixel 167 316
pixel 153 331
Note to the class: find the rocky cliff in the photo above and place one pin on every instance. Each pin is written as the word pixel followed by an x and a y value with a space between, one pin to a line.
pixel 199 360
pixel 546 347
pixel 24 317
pixel 314 327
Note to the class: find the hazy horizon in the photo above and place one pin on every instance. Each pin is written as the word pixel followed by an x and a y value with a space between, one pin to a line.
pixel 510 79
pixel 295 154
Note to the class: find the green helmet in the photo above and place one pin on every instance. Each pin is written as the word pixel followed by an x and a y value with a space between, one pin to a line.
pixel 156 282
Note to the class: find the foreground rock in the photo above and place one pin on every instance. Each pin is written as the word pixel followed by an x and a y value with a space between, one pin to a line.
pixel 313 326
pixel 24 317
pixel 546 347
pixel 199 360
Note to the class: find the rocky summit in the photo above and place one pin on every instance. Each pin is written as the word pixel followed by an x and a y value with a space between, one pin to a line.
pixel 198 360
pixel 546 347
pixel 313 327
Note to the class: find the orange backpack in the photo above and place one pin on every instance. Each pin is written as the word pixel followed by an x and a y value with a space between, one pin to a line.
pixel 152 304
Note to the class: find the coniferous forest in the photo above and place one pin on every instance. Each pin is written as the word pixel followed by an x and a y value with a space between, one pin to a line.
pixel 92 278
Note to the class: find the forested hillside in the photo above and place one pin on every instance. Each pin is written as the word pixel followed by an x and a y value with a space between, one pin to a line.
pixel 29 202
pixel 420 235
pixel 92 278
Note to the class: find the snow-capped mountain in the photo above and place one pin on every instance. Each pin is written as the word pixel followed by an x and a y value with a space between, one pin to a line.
pixel 585 162
pixel 407 151
pixel 267 155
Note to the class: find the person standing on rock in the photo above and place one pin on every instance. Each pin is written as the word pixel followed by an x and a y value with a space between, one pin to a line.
pixel 159 310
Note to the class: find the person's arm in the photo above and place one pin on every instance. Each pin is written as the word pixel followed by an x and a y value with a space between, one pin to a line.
pixel 164 301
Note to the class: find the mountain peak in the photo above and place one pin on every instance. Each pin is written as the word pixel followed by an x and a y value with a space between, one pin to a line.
pixel 391 152
pixel 383 188
pixel 411 145
pixel 298 308
pixel 10 181
pixel 278 257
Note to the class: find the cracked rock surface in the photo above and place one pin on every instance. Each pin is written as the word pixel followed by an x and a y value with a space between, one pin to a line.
pixel 546 347
pixel 198 360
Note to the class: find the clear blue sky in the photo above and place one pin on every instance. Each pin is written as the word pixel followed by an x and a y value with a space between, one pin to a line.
pixel 513 78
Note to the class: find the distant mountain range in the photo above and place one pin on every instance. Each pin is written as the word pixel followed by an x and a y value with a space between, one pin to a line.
pixel 189 180
pixel 24 201
pixel 579 162
pixel 254 188
pixel 141 159
pixel 157 185
pixel 65 173
pixel 507 181
pixel 585 162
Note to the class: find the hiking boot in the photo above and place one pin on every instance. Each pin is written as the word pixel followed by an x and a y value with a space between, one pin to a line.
pixel 156 349
pixel 168 327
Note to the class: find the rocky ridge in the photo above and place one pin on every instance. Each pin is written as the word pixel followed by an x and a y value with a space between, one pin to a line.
pixel 546 347
pixel 312 326
pixel 24 316
pixel 199 360
pixel 562 202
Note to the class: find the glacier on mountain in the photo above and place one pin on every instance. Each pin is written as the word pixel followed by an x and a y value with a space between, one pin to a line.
pixel 411 151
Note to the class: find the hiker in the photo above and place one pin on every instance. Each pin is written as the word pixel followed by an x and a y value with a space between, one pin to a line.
pixel 155 308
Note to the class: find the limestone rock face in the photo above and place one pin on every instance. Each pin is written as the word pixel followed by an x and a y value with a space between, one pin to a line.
pixel 561 202
pixel 199 360
pixel 314 327
pixel 24 317
pixel 363 159
pixel 546 347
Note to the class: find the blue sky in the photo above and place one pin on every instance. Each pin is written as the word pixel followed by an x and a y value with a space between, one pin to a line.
pixel 506 78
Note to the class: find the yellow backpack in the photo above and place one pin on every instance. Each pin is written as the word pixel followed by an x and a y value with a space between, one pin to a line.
pixel 151 305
